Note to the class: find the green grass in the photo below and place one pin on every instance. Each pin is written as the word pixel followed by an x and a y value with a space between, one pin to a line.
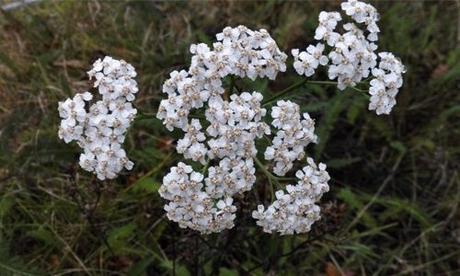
pixel 395 188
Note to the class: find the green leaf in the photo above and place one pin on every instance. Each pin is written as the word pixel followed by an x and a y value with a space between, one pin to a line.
pixel 355 203
pixel 397 207
pixel 227 272
pixel 140 267
pixel 399 146
pixel 5 206
pixel 118 237
pixel 357 107
pixel 328 122
pixel 146 185
pixel 44 235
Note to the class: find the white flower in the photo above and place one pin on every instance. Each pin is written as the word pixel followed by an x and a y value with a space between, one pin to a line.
pixel 363 13
pixel 293 136
pixel 327 24
pixel 190 206
pixel 305 63
pixel 235 125
pixel 352 56
pixel 385 86
pixel 295 211
pixel 100 129
pixel 192 144
pixel 231 177
pixel 240 52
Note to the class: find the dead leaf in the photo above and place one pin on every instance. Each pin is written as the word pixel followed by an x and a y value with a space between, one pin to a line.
pixel 440 71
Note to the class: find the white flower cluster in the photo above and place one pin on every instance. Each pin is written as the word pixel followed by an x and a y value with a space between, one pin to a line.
pixel 352 56
pixel 206 204
pixel 100 130
pixel 190 206
pixel 385 86
pixel 292 137
pixel 239 52
pixel 295 211
pixel 234 126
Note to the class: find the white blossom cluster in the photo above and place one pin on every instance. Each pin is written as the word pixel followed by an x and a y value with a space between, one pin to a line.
pixel 384 87
pixel 100 130
pixel 235 125
pixel 239 51
pixel 204 203
pixel 293 135
pixel 231 134
pixel 351 57
pixel 190 206
pixel 295 211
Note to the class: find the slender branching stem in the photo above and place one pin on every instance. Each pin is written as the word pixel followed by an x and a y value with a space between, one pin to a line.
pixel 232 84
pixel 284 92
pixel 300 84
pixel 269 174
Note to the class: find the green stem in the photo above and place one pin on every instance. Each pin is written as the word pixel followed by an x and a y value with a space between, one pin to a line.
pixel 357 89
pixel 143 116
pixel 269 174
pixel 323 82
pixel 300 84
pixel 232 84
pixel 284 92
pixel 205 168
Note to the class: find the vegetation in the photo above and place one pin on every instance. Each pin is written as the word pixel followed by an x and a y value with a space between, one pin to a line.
pixel 394 202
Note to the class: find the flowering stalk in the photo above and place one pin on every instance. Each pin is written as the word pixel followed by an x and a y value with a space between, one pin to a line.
pixel 284 92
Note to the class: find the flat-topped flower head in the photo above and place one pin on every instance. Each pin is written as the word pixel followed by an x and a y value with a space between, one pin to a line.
pixel 100 129
pixel 351 56
pixel 191 207
pixel 239 52
pixel 224 141
pixel 232 126
pixel 293 135
pixel 385 86
pixel 295 210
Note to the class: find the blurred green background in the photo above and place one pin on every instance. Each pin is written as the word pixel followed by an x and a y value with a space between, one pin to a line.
pixel 395 188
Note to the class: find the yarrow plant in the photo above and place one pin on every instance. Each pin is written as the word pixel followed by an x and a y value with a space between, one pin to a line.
pixel 100 129
pixel 205 202
pixel 220 128
pixel 351 55
pixel 224 140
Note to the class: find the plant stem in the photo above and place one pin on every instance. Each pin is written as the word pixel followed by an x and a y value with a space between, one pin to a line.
pixel 269 174
pixel 144 116
pixel 205 168
pixel 300 84
pixel 284 92
pixel 357 89
pixel 323 82
pixel 232 84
